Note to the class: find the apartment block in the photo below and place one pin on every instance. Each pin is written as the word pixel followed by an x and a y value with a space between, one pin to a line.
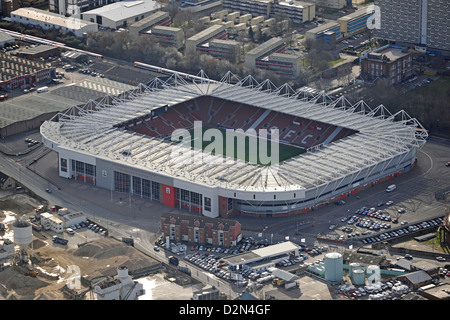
pixel 261 52
pixel 297 11
pixel 422 22
pixel 169 36
pixel 72 7
pixel 223 49
pixel 195 42
pixel 390 65
pixel 159 18
pixel 355 22
pixel 253 7
pixel 326 34
pixel 285 65
pixel 333 4
pixel 200 230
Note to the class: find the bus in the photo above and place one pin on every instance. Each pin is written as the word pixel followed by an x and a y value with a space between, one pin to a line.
pixel 391 188
pixel 43 89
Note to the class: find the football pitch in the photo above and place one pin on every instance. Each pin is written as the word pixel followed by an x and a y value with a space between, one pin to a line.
pixel 244 147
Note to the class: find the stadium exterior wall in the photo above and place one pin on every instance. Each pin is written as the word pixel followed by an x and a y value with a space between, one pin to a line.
pixel 255 203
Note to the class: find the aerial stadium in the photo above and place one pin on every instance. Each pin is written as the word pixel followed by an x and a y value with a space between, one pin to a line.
pixel 328 148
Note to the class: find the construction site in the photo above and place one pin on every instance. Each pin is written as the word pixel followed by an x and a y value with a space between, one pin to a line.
pixel 33 266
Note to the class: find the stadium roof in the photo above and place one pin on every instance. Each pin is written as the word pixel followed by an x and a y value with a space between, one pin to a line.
pixel 381 136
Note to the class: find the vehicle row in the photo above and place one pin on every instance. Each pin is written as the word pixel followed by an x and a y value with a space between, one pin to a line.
pixel 402 231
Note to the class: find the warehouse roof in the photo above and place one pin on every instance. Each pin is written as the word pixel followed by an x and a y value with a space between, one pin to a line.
pixel 124 9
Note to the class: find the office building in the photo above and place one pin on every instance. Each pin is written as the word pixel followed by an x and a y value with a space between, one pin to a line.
pixel 326 34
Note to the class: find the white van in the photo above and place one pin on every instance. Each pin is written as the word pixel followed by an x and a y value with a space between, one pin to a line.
pixel 391 188
pixel 43 89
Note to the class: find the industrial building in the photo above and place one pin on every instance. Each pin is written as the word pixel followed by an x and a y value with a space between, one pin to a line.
pixel 123 147
pixel 223 49
pixel 269 256
pixel 121 288
pixel 120 14
pixel 390 65
pixel 168 36
pixel 194 43
pixel 198 229
pixel 326 35
pixel 49 20
pixel 50 222
pixel 159 18
pixel 21 73
pixel 6 39
pixel 37 52
pixel 420 22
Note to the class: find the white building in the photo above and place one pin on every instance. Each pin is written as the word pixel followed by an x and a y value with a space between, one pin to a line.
pixel 121 288
pixel 49 20
pixel 50 222
pixel 120 14
pixel 74 218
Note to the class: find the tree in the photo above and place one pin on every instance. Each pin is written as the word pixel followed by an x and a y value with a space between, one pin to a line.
pixel 251 34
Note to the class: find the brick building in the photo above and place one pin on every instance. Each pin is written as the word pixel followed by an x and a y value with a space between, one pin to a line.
pixel 200 230
pixel 388 64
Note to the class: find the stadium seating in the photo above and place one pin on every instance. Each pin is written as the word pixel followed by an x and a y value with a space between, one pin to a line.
pixel 293 130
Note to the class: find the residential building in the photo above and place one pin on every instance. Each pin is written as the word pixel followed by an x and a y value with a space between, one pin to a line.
pixel 200 230
pixel 49 20
pixel 297 11
pixel 73 7
pixel 121 14
pixel 274 45
pixel 285 65
pixel 423 22
pixel 159 18
pixel 194 43
pixel 223 49
pixel 6 182
pixel 168 36
pixel 326 34
pixel 388 64
pixel 333 4
pixel 355 22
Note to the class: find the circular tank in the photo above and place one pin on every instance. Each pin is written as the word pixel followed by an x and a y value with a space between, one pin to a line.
pixel 358 277
pixel 333 266
pixel 23 233
pixel 353 266
pixel 373 274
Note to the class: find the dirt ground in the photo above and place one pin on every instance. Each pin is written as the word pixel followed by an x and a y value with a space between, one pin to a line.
pixel 95 259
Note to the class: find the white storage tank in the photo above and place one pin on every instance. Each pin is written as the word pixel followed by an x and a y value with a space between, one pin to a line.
pixel 23 233
pixel 353 266
pixel 333 266
pixel 373 274
pixel 358 277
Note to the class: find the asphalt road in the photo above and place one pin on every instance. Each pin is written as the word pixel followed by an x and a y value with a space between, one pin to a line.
pixel 131 216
